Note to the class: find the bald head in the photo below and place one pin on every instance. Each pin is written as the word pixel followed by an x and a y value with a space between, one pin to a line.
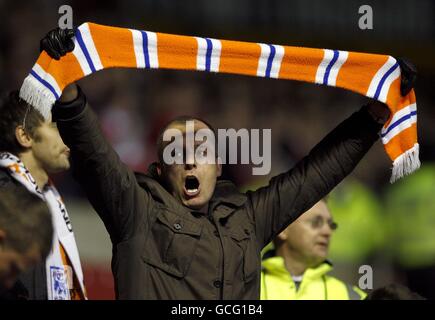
pixel 179 123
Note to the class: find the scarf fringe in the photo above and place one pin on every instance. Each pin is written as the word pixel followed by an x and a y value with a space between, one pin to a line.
pixel 38 96
pixel 406 163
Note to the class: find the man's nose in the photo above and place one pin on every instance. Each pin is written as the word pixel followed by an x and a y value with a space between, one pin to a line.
pixel 326 230
pixel 190 161
pixel 190 166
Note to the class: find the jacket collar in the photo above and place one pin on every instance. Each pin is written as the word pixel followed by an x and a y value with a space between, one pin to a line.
pixel 226 198
pixel 276 266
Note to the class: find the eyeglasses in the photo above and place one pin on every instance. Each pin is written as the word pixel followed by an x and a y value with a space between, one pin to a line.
pixel 318 222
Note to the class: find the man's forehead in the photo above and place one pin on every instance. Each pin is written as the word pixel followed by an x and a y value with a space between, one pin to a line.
pixel 182 125
pixel 319 209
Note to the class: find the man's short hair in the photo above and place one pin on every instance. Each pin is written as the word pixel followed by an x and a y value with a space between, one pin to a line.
pixel 26 220
pixel 178 120
pixel 16 112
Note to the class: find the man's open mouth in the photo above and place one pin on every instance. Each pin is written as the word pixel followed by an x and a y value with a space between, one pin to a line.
pixel 323 244
pixel 191 186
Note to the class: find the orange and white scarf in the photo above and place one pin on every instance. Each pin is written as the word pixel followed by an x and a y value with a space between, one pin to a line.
pixel 100 47
pixel 59 276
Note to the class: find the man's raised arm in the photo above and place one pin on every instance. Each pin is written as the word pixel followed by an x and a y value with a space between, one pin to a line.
pixel 290 194
pixel 109 184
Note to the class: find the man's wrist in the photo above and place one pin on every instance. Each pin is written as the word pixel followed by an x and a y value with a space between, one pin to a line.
pixel 378 111
pixel 63 111
pixel 70 93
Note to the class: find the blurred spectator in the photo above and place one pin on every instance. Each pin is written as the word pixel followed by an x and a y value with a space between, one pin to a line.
pixel 299 269
pixel 411 213
pixel 26 232
pixel 31 149
pixel 362 239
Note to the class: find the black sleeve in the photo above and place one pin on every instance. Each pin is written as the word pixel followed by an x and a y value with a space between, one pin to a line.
pixel 109 184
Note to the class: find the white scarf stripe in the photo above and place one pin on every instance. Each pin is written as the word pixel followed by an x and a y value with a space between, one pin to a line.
pixel 262 60
pixel 277 59
pixel 378 76
pixel 215 55
pixel 152 49
pixel 80 56
pixel 47 77
pixel 398 129
pixel 89 42
pixel 202 51
pixel 321 69
pixel 332 79
pixel 138 48
pixel 399 114
pixel 386 86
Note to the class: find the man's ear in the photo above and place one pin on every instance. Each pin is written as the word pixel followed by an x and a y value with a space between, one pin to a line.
pixel 282 236
pixel 219 166
pixel 23 137
pixel 159 169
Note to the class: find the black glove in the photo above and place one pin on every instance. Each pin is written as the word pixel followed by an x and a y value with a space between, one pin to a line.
pixel 58 42
pixel 409 76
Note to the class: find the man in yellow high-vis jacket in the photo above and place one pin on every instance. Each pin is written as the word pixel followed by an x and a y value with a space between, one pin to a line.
pixel 299 269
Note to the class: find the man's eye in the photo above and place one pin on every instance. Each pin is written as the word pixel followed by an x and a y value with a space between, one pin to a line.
pixel 317 222
pixel 176 154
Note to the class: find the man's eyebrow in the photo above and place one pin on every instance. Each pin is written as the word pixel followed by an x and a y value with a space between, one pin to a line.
pixel 198 143
pixel 317 215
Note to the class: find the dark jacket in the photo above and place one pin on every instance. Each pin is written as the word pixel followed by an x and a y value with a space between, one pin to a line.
pixel 163 250
pixel 31 285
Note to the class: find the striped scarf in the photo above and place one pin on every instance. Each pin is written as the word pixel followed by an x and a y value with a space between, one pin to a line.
pixel 99 47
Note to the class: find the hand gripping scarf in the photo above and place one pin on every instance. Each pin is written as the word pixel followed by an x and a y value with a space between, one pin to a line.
pixel 99 47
